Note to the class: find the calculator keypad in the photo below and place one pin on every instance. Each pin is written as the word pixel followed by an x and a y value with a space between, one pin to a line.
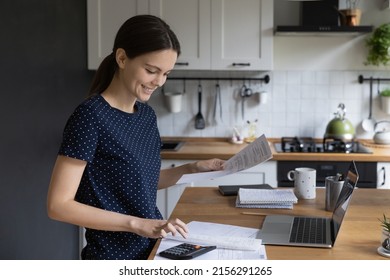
pixel 185 251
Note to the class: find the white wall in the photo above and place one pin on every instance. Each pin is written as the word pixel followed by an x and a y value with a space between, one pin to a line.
pixel 311 76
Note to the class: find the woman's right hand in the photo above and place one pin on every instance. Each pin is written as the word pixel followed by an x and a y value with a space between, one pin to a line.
pixel 159 228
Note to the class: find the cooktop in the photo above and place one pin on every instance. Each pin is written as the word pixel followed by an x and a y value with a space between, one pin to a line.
pixel 327 145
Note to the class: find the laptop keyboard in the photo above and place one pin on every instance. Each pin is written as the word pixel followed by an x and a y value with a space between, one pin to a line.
pixel 308 230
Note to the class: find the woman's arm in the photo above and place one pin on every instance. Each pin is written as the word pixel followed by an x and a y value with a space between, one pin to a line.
pixel 170 176
pixel 62 206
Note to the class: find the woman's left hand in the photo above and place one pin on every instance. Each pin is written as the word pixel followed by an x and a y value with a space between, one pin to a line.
pixel 209 165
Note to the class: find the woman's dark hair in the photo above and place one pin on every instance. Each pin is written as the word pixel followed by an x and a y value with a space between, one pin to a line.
pixel 138 35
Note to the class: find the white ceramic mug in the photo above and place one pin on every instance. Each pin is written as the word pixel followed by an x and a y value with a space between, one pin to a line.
pixel 304 182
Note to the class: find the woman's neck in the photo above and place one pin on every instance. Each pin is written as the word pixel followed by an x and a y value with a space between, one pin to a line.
pixel 119 99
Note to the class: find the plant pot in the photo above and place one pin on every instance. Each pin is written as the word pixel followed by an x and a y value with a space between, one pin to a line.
pixel 173 101
pixel 350 17
pixel 384 248
pixel 385 104
pixel 385 234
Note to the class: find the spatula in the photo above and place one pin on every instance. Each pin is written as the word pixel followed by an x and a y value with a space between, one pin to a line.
pixel 199 120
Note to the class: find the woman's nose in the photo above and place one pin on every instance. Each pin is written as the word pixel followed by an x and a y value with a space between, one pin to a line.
pixel 160 80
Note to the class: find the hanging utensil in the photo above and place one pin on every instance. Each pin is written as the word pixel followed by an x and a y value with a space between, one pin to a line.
pixel 244 93
pixel 217 103
pixel 369 123
pixel 199 120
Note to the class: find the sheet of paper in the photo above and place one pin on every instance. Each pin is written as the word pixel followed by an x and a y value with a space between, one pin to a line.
pixel 222 242
pixel 212 230
pixel 196 177
pixel 255 153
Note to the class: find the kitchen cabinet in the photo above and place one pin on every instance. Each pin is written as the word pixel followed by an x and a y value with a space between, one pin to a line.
pixel 103 21
pixel 259 174
pixel 242 35
pixel 221 34
pixel 191 22
pixel 214 35
pixel 383 172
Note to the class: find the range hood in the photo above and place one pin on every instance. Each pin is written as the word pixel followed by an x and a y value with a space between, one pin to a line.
pixel 321 18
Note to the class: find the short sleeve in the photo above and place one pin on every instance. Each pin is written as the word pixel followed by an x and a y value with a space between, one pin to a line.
pixel 80 135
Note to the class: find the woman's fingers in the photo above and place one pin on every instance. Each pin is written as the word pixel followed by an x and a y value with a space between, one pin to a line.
pixel 175 226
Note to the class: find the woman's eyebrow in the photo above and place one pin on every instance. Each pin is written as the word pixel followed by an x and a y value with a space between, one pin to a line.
pixel 158 68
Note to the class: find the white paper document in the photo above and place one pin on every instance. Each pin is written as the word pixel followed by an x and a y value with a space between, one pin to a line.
pixel 255 153
pixel 233 242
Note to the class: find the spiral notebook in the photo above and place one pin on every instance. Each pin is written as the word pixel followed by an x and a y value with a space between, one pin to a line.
pixel 265 198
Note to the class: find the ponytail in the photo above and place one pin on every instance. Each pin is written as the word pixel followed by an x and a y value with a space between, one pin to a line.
pixel 104 75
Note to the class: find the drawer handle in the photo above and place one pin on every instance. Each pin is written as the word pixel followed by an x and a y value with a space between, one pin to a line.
pixel 241 64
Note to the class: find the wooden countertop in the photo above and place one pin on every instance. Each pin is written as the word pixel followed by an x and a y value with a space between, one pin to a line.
pixel 206 148
pixel 359 235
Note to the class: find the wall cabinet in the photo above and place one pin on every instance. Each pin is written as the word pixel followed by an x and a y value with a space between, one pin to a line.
pixel 103 21
pixel 259 174
pixel 214 35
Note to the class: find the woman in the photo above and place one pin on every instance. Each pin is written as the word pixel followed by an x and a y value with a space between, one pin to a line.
pixel 107 171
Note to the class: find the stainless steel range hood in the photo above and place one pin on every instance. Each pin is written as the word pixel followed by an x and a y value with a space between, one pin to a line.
pixel 321 18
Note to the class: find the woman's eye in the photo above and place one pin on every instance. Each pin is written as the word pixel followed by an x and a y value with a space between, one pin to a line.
pixel 150 71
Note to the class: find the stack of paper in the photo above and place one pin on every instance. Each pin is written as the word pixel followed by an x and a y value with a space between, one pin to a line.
pixel 264 198
pixel 233 242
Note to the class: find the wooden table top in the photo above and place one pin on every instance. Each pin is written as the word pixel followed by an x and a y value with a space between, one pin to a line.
pixel 358 239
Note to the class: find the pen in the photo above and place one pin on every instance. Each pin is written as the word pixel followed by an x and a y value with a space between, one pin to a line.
pixel 254 213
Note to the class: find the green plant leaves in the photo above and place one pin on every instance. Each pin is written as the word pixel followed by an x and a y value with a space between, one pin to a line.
pixel 379 46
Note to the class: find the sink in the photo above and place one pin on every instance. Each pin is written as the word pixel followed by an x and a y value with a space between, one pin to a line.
pixel 171 145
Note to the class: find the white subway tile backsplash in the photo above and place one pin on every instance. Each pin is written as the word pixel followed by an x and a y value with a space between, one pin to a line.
pixel 294 77
pixel 308 78
pixel 293 92
pixel 300 103
pixel 322 78
pixel 336 78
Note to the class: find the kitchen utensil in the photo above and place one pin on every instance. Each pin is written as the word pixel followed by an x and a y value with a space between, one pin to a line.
pixel 369 123
pixel 199 120
pixel 244 93
pixel 382 134
pixel 217 103
pixel 340 127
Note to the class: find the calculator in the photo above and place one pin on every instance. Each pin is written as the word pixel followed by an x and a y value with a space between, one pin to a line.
pixel 185 251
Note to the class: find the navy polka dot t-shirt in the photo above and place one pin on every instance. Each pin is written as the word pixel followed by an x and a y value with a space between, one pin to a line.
pixel 122 151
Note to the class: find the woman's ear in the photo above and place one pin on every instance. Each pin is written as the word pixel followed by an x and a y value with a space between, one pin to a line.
pixel 120 57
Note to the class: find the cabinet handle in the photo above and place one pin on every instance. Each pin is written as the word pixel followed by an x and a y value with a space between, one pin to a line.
pixel 384 176
pixel 173 165
pixel 241 64
pixel 182 64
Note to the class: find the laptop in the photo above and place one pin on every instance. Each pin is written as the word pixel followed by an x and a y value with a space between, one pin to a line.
pixel 310 231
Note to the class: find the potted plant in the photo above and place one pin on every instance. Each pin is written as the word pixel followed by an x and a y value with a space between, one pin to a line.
pixel 379 46
pixel 385 100
pixel 385 223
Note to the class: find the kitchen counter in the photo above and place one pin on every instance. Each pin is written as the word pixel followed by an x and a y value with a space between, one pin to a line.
pixel 205 148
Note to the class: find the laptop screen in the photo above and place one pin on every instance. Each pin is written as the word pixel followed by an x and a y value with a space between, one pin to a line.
pixel 350 180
